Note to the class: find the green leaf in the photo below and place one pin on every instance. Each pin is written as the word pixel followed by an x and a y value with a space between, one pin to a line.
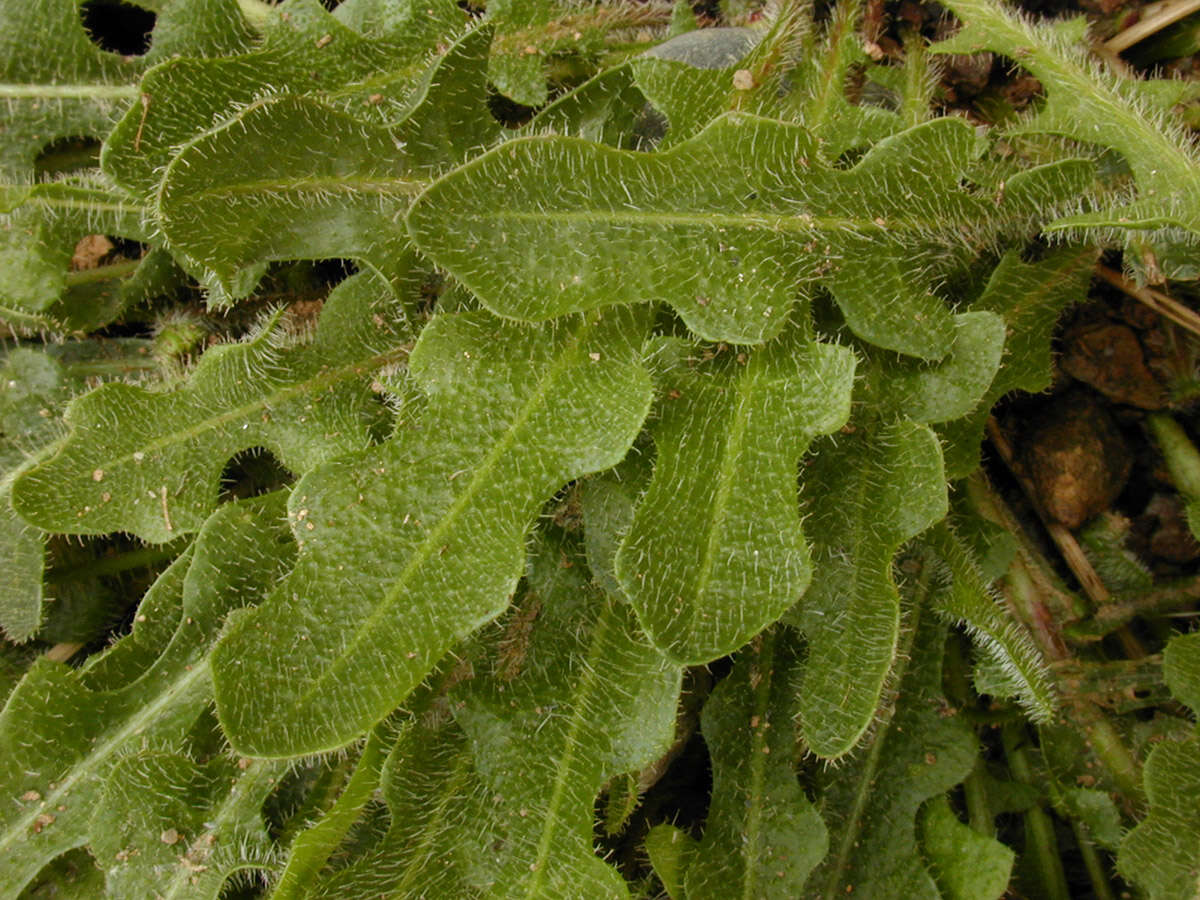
pixel 967 865
pixel 870 802
pixel 866 497
pixel 63 730
pixel 169 827
pixel 516 64
pixel 578 696
pixel 157 475
pixel 716 551
pixel 1030 297
pixel 689 79
pixel 311 849
pixel 55 83
pixel 725 243
pixel 419 542
pixel 435 803
pixel 1096 105
pixel 672 851
pixel 370 50
pixel 1181 668
pixel 564 695
pixel 236 197
pixel 950 388
pixel 762 836
pixel 38 239
pixel 1169 835
pixel 967 599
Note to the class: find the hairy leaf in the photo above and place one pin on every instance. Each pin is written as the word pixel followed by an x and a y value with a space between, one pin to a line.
pixel 63 730
pixel 565 694
pixel 725 243
pixel 1170 834
pixel 364 50
pixel 1030 297
pixel 866 497
pixel 716 552
pixel 870 803
pixel 952 387
pixel 168 827
pixel 419 542
pixel 965 864
pixel 311 849
pixel 762 836
pixel 39 237
pixel 968 600
pixel 1095 105
pixel 55 83
pixel 149 462
pixel 577 696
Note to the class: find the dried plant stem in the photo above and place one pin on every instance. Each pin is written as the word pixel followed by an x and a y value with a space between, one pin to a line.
pixel 1166 306
pixel 1163 15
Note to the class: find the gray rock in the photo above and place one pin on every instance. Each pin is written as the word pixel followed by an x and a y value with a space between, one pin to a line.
pixel 708 48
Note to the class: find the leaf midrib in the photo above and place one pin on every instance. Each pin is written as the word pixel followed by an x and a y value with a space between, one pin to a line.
pixel 141 717
pixel 481 479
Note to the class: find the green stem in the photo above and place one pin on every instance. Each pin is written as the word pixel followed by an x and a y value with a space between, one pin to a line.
pixel 144 558
pixel 1183 460
pixel 1041 845
pixel 1096 869
pixel 102 273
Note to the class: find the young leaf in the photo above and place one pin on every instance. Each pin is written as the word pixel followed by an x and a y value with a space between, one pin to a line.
pixel 866 496
pixel 168 827
pixel 38 239
pixel 63 730
pixel 952 387
pixel 419 542
pixel 578 696
pixel 236 197
pixel 965 864
pixel 499 801
pixel 716 551
pixel 157 474
pixel 1095 105
pixel 311 849
pixel 725 242
pixel 968 600
pixel 762 836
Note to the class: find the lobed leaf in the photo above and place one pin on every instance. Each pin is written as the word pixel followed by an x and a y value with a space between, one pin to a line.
pixel 952 387
pixel 149 462
pixel 716 552
pixel 55 83
pixel 63 730
pixel 418 542
pixel 965 864
pixel 723 242
pixel 169 827
pixel 1093 104
pixel 564 695
pixel 870 803
pixel 364 50
pixel 1030 297
pixel 866 497
pixel 577 695
pixel 762 836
